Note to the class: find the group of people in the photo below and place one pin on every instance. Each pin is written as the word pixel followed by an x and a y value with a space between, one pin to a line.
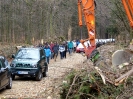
pixel 51 50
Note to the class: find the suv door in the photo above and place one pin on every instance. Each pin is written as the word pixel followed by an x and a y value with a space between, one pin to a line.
pixel 42 59
pixel 3 73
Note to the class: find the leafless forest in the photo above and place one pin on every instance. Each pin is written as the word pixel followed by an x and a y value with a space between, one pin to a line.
pixel 27 21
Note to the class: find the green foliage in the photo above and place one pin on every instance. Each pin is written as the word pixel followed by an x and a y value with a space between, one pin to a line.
pixel 89 86
pixel 76 96
pixel 64 90
pixel 84 89
pixel 70 77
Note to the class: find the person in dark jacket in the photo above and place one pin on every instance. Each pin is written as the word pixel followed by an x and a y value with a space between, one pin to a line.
pixel 55 50
pixel 65 44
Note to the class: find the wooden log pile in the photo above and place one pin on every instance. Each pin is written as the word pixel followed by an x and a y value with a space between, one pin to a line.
pixel 114 75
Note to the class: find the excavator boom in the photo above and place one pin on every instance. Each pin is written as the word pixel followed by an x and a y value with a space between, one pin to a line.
pixel 128 5
pixel 87 7
pixel 125 55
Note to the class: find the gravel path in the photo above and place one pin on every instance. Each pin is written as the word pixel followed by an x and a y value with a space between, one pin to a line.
pixel 48 87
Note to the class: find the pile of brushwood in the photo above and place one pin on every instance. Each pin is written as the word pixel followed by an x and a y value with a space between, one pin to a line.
pixel 99 82
pixel 86 84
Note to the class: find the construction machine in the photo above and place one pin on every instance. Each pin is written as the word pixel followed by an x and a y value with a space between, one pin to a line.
pixel 87 8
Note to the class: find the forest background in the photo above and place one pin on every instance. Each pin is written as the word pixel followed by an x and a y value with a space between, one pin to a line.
pixel 29 21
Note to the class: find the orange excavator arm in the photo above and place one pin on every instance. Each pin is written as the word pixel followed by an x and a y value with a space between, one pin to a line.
pixel 87 7
pixel 125 55
pixel 128 5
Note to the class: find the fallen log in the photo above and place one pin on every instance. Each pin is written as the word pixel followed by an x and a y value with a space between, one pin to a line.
pixel 101 74
pixel 123 77
pixel 104 78
pixel 117 81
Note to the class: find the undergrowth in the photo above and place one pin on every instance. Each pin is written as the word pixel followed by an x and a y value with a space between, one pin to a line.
pixel 84 85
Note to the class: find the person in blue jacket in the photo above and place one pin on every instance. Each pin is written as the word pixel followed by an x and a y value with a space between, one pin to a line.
pixel 70 47
pixel 47 53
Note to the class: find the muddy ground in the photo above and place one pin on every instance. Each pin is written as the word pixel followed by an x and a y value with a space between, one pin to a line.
pixel 48 87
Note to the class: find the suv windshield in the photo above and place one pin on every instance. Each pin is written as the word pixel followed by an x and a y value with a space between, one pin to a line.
pixel 28 54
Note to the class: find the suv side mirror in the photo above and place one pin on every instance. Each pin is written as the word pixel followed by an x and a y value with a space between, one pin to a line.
pixel 13 55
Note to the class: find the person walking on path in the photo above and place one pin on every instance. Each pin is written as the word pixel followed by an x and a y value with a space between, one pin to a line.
pixel 47 53
pixel 61 50
pixel 55 50
pixel 51 48
pixel 70 47
pixel 65 44
pixel 77 42
pixel 74 46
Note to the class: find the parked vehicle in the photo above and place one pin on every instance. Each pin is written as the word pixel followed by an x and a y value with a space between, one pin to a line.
pixel 99 42
pixel 29 62
pixel 80 48
pixel 5 74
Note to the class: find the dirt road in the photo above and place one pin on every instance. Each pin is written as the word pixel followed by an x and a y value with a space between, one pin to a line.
pixel 48 86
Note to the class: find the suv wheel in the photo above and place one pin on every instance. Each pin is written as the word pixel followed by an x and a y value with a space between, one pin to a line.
pixel 9 86
pixel 39 76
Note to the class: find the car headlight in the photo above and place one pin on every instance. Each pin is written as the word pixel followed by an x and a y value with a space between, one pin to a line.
pixel 34 65
pixel 12 64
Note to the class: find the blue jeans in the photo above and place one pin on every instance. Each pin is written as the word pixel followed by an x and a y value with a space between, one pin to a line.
pixel 70 50
pixel 47 59
pixel 52 55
